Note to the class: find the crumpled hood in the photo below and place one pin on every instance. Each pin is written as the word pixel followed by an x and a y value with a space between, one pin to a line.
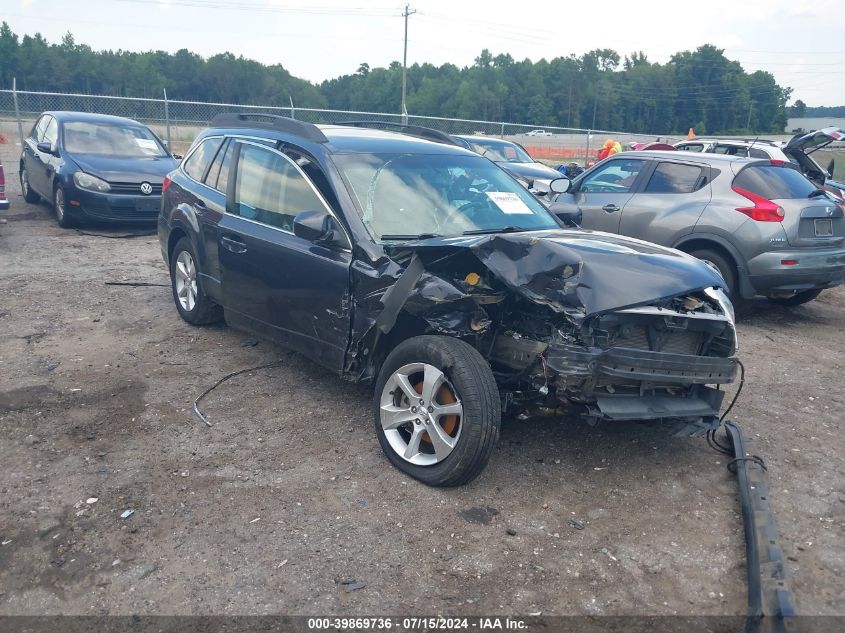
pixel 577 272
pixel 116 169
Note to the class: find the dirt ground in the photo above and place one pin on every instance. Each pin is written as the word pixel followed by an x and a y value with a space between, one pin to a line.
pixel 289 495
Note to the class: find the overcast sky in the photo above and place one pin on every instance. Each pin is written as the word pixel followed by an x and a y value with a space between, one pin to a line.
pixel 799 41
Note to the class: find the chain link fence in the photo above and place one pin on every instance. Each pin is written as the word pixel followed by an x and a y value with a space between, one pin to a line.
pixel 180 121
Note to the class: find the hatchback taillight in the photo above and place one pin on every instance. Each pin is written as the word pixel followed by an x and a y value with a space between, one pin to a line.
pixel 166 184
pixel 763 210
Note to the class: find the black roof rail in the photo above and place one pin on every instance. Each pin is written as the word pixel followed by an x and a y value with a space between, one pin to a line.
pixel 427 133
pixel 265 121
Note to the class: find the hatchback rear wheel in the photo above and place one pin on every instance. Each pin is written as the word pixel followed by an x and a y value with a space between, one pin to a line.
pixel 28 194
pixel 437 411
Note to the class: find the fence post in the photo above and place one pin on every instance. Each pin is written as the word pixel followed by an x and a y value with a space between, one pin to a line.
pixel 502 135
pixel 292 113
pixel 589 136
pixel 167 121
pixel 17 110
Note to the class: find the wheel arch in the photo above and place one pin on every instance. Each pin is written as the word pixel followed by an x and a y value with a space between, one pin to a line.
pixel 696 241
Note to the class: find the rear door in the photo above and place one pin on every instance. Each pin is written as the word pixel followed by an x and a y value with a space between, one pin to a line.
pixel 815 221
pixel 281 285
pixel 603 193
pixel 669 204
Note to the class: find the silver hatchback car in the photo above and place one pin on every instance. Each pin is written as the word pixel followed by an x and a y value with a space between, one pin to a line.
pixel 766 228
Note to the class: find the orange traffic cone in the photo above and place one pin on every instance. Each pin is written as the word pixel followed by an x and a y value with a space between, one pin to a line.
pixel 691 134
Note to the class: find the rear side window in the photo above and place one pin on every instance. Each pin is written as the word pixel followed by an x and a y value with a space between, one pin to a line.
pixel 757 153
pixel 213 175
pixel 201 157
pixel 675 178
pixel 691 147
pixel 270 190
pixel 773 182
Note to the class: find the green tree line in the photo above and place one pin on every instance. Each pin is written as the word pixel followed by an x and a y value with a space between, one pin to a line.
pixel 599 90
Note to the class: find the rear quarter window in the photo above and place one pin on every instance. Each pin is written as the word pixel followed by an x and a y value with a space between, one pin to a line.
pixel 773 182
pixel 197 163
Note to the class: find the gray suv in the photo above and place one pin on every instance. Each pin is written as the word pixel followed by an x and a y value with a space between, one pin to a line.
pixel 766 228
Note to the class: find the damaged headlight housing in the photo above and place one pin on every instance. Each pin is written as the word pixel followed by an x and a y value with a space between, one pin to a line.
pixel 87 181
pixel 719 296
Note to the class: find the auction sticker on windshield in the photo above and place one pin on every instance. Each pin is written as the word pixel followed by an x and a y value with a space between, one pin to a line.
pixel 509 203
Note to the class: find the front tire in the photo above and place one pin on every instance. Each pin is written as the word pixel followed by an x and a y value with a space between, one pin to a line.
pixel 60 207
pixel 436 410
pixel 28 194
pixel 194 306
pixel 799 298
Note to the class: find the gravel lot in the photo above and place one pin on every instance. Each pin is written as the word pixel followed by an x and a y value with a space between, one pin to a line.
pixel 289 495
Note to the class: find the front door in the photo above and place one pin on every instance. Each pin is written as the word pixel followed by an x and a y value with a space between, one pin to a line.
pixel 281 285
pixel 603 193
pixel 36 162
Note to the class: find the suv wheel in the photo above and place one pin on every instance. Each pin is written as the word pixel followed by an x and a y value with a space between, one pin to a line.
pixel 437 410
pixel 28 194
pixel 720 264
pixel 799 298
pixel 193 304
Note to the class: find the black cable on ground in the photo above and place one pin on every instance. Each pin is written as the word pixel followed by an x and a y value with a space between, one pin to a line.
pixel 224 379
pixel 712 439
pixel 119 236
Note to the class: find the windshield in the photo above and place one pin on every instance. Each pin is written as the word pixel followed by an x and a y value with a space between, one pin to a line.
pixel 498 151
pixel 106 139
pixel 417 194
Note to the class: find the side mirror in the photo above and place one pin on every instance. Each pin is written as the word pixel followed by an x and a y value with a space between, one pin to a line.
pixel 314 226
pixel 45 148
pixel 560 185
pixel 830 169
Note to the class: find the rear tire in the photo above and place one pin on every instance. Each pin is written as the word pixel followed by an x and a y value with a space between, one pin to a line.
pixel 799 298
pixel 461 381
pixel 28 194
pixel 194 306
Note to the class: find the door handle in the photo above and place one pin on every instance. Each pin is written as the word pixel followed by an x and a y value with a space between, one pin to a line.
pixel 233 244
pixel 610 208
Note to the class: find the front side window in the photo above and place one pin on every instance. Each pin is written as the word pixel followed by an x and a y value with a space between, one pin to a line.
pixel 111 139
pixel 691 147
pixel 199 160
pixel 270 190
pixel 675 178
pixel 51 134
pixel 213 177
pixel 616 176
pixel 39 127
pixel 400 196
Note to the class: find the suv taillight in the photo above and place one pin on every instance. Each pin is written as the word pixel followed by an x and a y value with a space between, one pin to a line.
pixel 166 184
pixel 763 210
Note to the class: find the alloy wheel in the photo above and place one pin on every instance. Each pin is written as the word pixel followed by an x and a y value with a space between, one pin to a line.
pixel 421 414
pixel 186 281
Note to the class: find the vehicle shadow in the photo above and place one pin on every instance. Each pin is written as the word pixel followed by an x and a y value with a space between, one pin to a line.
pixel 763 312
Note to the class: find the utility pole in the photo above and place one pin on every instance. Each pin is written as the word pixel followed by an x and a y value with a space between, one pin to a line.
pixel 407 13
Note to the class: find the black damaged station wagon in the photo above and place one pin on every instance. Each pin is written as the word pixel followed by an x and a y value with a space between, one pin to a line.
pixel 427 270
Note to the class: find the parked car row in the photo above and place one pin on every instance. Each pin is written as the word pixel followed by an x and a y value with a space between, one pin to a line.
pixel 403 258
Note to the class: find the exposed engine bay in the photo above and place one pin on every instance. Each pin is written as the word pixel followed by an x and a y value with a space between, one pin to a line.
pixel 560 328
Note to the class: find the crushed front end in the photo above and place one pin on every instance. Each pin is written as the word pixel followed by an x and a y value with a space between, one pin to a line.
pixel 663 360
